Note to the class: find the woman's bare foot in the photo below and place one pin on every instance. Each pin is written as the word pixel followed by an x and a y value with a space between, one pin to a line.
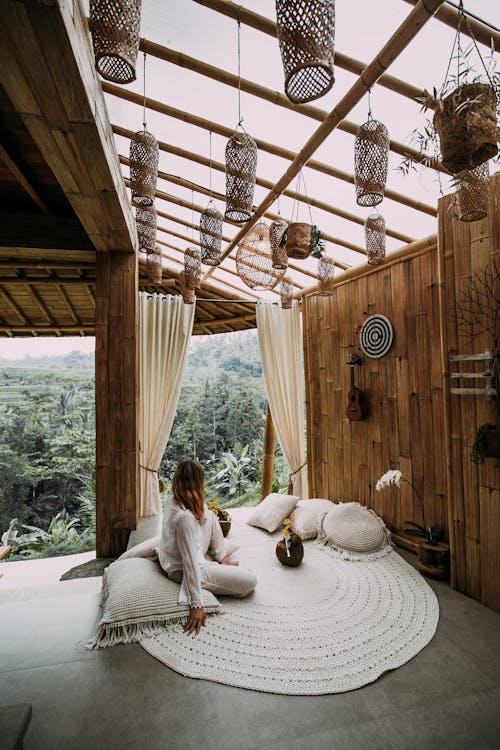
pixel 227 561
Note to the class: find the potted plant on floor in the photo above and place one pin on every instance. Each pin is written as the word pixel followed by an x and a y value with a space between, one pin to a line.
pixel 222 515
pixel 289 549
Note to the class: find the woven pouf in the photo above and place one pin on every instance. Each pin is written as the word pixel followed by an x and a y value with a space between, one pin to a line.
pixel 352 528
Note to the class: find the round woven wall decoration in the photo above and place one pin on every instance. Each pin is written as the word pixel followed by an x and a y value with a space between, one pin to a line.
pixel 375 239
pixel 326 273
pixel 188 293
pixel 241 166
pixel 146 220
pixel 192 267
pixel 211 235
pixel 473 194
pixel 115 27
pixel 144 153
pixel 286 293
pixel 371 155
pixel 279 254
pixel 306 30
pixel 375 338
pixel 154 267
pixel 254 261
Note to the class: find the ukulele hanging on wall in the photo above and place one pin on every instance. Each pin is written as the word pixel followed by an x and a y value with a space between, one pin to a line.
pixel 357 408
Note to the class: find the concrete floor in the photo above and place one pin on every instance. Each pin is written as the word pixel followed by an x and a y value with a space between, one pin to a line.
pixel 448 696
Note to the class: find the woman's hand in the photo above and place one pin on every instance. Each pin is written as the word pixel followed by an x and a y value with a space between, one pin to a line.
pixel 226 561
pixel 197 618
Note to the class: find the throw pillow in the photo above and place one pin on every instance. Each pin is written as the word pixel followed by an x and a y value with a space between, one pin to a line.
pixel 138 600
pixel 354 532
pixel 272 510
pixel 307 515
pixel 148 548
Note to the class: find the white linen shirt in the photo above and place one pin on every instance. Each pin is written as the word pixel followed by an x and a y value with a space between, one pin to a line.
pixel 181 549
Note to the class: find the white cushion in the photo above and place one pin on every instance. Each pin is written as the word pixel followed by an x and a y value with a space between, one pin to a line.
pixel 139 600
pixel 229 548
pixel 307 515
pixel 353 527
pixel 272 510
pixel 148 548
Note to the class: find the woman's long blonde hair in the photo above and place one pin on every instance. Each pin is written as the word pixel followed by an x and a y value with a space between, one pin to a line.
pixel 188 487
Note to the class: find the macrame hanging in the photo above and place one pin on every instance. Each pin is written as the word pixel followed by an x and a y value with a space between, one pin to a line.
pixel 326 273
pixel 144 154
pixel 115 28
pixel 188 293
pixel 286 293
pixel 154 267
pixel 371 157
pixel 302 239
pixel 279 255
pixel 254 261
pixel 306 30
pixel 241 166
pixel 375 239
pixel 211 221
pixel 146 221
pixel 473 193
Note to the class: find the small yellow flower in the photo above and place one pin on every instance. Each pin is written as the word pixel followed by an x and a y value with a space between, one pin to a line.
pixel 286 531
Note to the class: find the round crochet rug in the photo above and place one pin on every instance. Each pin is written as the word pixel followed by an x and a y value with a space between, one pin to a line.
pixel 328 626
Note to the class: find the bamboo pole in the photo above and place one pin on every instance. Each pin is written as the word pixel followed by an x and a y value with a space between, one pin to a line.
pixel 389 52
pixel 268 456
pixel 483 33
pixel 46 264
pixel 274 97
pixel 13 306
pixel 43 280
pixel 47 328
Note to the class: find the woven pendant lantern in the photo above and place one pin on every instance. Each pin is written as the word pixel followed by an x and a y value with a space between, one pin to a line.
pixel 241 167
pixel 115 27
pixel 473 194
pixel 375 239
pixel 286 293
pixel 254 261
pixel 146 221
pixel 371 156
pixel 211 235
pixel 279 254
pixel 192 267
pixel 154 267
pixel 188 293
pixel 326 273
pixel 306 30
pixel 144 153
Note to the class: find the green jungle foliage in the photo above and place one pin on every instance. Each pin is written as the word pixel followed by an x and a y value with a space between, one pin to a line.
pixel 47 440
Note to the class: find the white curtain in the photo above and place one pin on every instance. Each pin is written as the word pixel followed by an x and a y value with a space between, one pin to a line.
pixel 280 342
pixel 165 327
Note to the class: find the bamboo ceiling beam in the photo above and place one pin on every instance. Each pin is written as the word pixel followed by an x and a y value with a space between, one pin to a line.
pixel 13 306
pixel 44 328
pixel 46 264
pixel 483 33
pixel 288 154
pixel 41 304
pixel 274 97
pixel 389 52
pixel 45 280
pixel 22 179
pixel 68 304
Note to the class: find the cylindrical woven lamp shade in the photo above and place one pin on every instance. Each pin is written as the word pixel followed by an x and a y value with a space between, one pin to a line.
pixel 279 254
pixel 473 194
pixel 144 152
pixel 375 239
pixel 254 261
pixel 154 267
pixel 306 31
pixel 192 267
pixel 188 293
pixel 286 293
pixel 146 219
pixel 241 166
pixel 371 156
pixel 211 235
pixel 115 27
pixel 326 273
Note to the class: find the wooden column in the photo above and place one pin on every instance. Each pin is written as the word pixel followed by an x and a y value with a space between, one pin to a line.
pixel 268 458
pixel 116 386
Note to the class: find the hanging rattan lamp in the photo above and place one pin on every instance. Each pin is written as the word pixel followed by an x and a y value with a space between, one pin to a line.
pixel 371 156
pixel 326 274
pixel 306 30
pixel 279 254
pixel 192 267
pixel 286 293
pixel 188 293
pixel 146 220
pixel 115 28
pixel 254 261
pixel 211 235
pixel 241 167
pixel 375 239
pixel 154 267
pixel 144 152
pixel 473 194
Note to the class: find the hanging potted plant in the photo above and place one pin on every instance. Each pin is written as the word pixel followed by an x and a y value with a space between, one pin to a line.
pixel 301 240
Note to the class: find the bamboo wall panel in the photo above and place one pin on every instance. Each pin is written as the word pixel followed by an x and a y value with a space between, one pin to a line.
pixel 474 490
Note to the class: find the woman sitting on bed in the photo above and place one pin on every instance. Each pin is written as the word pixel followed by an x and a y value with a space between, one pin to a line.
pixel 189 531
